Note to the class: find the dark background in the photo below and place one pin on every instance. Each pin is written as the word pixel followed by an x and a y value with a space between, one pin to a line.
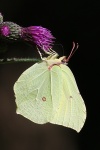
pixel 68 21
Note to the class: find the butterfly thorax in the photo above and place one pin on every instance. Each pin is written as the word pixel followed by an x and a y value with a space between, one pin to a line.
pixel 53 60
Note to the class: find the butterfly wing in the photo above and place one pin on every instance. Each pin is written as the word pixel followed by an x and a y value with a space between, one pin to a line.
pixel 71 111
pixel 35 99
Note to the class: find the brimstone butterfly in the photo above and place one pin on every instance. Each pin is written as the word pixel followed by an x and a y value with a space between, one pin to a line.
pixel 47 92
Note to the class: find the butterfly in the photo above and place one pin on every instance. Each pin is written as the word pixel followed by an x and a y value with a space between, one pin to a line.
pixel 48 92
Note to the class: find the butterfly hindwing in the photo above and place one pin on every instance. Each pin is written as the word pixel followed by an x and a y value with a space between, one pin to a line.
pixel 71 111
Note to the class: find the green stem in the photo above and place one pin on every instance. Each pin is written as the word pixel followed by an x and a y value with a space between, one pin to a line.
pixel 16 60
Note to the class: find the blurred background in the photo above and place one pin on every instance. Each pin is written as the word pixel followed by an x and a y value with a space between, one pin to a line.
pixel 68 21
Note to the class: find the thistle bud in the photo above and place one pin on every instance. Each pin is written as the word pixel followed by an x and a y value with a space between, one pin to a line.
pixel 10 31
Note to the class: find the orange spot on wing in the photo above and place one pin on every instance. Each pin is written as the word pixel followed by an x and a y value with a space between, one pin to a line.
pixel 44 98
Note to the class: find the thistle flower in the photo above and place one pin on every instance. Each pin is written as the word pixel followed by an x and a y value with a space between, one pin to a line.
pixel 37 35
pixel 42 37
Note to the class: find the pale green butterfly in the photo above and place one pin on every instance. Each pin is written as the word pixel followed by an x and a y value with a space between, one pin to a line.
pixel 47 92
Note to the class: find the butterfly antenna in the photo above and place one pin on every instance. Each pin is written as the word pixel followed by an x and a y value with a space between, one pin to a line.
pixel 73 50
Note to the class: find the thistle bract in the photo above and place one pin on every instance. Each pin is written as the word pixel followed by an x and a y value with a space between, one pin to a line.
pixel 1 18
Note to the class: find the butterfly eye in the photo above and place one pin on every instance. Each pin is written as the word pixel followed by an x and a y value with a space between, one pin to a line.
pixel 64 60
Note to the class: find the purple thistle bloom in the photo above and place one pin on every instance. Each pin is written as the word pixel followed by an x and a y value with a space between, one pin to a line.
pixel 4 30
pixel 38 35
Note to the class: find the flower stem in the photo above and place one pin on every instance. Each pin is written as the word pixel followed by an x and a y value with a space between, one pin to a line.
pixel 16 60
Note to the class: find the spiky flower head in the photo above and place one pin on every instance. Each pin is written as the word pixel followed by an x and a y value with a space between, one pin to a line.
pixel 10 31
pixel 38 35
pixel 1 18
